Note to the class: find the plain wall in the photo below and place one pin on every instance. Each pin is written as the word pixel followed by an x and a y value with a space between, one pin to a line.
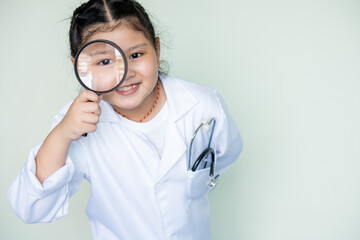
pixel 289 72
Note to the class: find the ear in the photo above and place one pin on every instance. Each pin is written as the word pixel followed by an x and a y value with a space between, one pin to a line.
pixel 157 42
pixel 73 60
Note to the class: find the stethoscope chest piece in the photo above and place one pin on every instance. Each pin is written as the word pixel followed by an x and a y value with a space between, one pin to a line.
pixel 214 181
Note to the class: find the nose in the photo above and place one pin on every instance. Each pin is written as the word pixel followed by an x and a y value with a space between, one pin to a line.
pixel 130 71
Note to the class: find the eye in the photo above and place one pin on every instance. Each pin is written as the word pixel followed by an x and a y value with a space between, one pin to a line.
pixel 105 62
pixel 135 55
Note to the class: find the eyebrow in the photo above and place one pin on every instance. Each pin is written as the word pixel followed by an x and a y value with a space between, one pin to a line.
pixel 100 53
pixel 136 46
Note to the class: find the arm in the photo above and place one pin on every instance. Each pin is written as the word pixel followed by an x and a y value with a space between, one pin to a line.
pixel 55 168
pixel 229 143
pixel 82 117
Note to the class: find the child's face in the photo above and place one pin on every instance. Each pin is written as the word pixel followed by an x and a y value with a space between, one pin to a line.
pixel 143 63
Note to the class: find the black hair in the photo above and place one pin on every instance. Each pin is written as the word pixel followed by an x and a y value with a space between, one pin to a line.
pixel 105 15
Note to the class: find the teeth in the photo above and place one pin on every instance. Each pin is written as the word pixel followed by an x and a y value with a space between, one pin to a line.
pixel 127 88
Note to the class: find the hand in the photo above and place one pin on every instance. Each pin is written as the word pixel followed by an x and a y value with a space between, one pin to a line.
pixel 82 116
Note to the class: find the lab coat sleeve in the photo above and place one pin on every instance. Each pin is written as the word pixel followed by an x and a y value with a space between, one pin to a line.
pixel 229 143
pixel 35 202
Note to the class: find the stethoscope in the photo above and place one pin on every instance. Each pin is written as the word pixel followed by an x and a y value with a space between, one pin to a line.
pixel 202 159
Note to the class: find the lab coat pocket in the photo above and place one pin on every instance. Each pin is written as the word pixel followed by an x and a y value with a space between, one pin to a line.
pixel 198 183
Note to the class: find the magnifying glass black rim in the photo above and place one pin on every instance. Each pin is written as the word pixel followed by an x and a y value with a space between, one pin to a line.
pixel 117 48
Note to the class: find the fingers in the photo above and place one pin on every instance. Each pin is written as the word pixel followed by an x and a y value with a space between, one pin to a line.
pixel 90 118
pixel 91 107
pixel 88 128
pixel 89 96
pixel 88 102
pixel 82 116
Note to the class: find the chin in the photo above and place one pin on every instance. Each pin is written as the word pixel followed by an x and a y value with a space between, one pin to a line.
pixel 127 104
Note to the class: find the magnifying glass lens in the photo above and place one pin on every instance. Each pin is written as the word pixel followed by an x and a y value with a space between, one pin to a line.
pixel 100 66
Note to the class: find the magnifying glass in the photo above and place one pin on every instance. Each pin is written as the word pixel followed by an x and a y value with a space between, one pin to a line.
pixel 100 66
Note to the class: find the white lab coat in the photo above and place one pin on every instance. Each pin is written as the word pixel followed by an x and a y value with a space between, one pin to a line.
pixel 126 201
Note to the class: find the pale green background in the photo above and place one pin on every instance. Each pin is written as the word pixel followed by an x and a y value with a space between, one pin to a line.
pixel 289 71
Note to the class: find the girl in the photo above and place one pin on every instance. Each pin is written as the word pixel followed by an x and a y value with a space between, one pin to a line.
pixel 136 155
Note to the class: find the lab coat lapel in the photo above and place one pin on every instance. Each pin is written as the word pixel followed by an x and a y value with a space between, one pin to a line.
pixel 174 149
pixel 180 101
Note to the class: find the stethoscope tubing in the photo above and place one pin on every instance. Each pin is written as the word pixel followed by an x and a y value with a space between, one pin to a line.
pixel 205 153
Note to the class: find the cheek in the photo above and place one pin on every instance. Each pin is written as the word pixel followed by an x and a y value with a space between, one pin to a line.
pixel 145 69
pixel 108 96
pixel 148 67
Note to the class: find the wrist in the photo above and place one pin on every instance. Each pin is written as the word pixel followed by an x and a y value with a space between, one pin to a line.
pixel 60 134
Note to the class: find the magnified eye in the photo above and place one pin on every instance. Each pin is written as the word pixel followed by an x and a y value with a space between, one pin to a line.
pixel 105 62
pixel 135 55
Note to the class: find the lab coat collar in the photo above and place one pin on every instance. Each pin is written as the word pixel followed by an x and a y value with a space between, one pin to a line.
pixel 179 99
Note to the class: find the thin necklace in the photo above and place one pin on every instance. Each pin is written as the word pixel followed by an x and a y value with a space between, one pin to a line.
pixel 148 114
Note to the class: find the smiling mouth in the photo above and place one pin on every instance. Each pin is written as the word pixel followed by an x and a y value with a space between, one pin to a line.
pixel 127 88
